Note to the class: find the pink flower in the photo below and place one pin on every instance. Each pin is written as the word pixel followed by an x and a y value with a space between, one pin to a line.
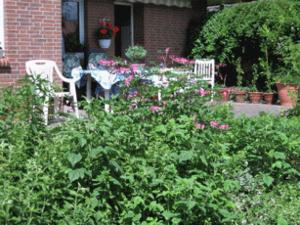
pixel 122 70
pixel 105 62
pixel 224 127
pixel 202 92
pixel 167 50
pixel 179 60
pixel 199 126
pixel 214 124
pixel 128 80
pixel 154 108
pixel 136 68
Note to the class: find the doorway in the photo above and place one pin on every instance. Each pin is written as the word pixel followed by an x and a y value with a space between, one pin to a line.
pixel 124 20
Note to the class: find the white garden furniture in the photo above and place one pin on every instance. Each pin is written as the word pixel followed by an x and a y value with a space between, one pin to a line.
pixel 45 70
pixel 205 70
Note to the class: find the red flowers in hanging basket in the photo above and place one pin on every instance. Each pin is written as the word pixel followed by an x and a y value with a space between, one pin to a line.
pixel 107 29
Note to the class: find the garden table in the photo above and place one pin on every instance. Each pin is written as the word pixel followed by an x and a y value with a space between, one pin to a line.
pixel 102 77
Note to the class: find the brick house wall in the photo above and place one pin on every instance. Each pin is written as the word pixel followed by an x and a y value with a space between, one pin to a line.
pixel 155 26
pixel 165 27
pixel 32 31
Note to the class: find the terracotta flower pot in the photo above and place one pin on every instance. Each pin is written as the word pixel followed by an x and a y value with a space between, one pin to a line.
pixel 225 94
pixel 4 62
pixel 240 96
pixel 288 94
pixel 255 97
pixel 268 97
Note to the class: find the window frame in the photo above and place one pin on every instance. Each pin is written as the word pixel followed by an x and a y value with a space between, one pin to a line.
pixel 81 19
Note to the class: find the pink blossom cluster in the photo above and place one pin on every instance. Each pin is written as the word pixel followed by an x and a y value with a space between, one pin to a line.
pixel 202 92
pixel 217 125
pixel 128 80
pixel 181 60
pixel 213 124
pixel 154 108
pixel 122 70
pixel 106 62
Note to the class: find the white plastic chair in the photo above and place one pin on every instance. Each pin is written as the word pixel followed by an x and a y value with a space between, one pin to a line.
pixel 45 70
pixel 205 70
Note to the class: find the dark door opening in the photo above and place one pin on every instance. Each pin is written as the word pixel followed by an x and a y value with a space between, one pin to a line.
pixel 123 20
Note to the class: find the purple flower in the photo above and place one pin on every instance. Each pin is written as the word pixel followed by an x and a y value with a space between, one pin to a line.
pixel 133 94
pixel 133 106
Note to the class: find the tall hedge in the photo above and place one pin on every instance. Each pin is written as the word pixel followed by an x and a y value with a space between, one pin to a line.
pixel 265 33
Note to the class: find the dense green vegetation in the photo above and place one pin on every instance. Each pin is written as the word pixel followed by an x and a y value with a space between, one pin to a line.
pixel 257 37
pixel 180 161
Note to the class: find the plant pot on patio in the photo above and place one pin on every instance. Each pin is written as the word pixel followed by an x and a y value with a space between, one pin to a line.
pixel 288 94
pixel 268 97
pixel 240 96
pixel 225 94
pixel 255 97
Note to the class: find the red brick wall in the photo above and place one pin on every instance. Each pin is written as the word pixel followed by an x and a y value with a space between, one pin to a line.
pixel 96 9
pixel 139 34
pixel 165 27
pixel 32 31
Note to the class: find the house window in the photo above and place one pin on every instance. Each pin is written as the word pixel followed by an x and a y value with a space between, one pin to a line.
pixel 1 24
pixel 73 25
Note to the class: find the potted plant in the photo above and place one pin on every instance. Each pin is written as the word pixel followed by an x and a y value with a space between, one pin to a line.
pixel 223 91
pixel 268 95
pixel 136 54
pixel 105 33
pixel 240 92
pixel 288 79
pixel 254 95
pixel 73 46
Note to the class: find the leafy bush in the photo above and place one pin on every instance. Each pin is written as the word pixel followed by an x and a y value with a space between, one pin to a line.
pixel 136 53
pixel 149 162
pixel 265 33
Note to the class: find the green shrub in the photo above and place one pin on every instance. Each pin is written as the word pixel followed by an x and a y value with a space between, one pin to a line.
pixel 265 33
pixel 137 166
pixel 136 53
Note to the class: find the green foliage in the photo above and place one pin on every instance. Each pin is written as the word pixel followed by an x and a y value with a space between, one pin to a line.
pixel 265 33
pixel 136 53
pixel 137 166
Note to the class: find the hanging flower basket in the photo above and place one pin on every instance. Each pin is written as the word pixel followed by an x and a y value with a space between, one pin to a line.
pixel 106 32
pixel 104 43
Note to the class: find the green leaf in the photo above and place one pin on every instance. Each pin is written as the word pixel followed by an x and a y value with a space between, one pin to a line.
pixel 279 155
pixel 281 221
pixel 74 158
pixel 168 215
pixel 268 180
pixel 185 156
pixel 76 174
